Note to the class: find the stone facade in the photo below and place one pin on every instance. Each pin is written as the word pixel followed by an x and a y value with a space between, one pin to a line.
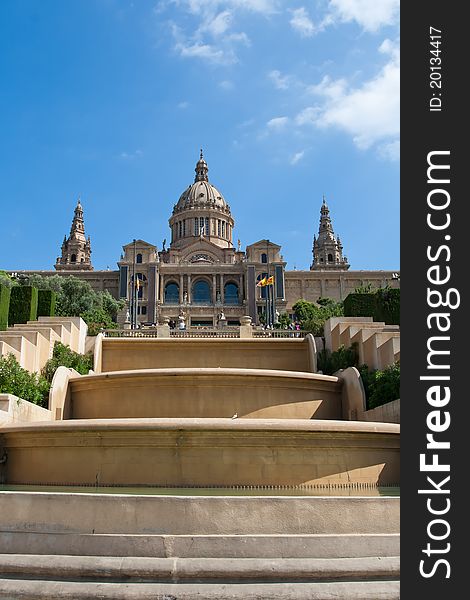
pixel 202 277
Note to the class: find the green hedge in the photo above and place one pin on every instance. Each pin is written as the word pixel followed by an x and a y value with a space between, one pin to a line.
pixel 23 304
pixel 359 305
pixel 4 306
pixel 388 306
pixel 382 305
pixel 46 303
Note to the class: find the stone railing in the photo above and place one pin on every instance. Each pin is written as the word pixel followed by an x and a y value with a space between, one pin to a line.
pixel 279 333
pixel 227 332
pixel 206 333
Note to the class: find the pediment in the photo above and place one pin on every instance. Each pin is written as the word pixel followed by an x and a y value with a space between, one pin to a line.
pixel 203 252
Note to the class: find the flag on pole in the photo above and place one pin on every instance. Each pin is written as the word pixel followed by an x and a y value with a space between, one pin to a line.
pixel 270 280
pixel 137 284
pixel 262 282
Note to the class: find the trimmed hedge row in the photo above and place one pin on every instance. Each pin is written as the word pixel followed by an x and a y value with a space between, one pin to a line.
pixel 23 304
pixel 46 303
pixel 4 306
pixel 382 305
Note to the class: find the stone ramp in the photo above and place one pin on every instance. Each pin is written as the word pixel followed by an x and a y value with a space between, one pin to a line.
pixel 11 589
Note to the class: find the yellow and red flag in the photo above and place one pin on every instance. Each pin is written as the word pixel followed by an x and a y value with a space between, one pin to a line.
pixel 262 282
pixel 270 280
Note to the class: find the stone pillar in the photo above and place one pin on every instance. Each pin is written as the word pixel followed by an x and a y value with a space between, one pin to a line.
pixel 241 295
pixel 181 287
pixel 214 288
pixel 246 329
pixel 222 296
pixel 189 288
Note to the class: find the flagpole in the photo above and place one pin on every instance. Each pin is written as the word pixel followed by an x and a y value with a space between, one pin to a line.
pixel 133 311
pixel 274 303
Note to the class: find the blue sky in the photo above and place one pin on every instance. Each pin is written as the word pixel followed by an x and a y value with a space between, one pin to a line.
pixel 111 100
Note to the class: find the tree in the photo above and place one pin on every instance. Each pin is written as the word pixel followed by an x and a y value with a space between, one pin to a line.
pixel 284 321
pixel 76 298
pixel 19 382
pixel 312 316
pixel 62 355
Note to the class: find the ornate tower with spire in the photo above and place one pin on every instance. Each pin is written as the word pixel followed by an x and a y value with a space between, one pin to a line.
pixel 76 249
pixel 327 249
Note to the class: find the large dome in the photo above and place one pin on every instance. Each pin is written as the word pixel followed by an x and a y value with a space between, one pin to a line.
pixel 201 194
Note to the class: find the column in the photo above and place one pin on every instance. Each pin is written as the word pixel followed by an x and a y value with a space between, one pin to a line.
pixel 181 287
pixel 222 296
pixel 214 288
pixel 161 288
pixel 241 294
pixel 189 288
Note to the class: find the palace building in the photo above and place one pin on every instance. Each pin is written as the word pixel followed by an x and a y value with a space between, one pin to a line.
pixel 202 273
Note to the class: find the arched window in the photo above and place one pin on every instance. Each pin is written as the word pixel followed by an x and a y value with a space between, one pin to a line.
pixel 264 258
pixel 138 258
pixel 201 292
pixel 73 258
pixel 231 293
pixel 330 258
pixel 172 293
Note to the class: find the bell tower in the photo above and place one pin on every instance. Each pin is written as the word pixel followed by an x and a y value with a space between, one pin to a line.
pixel 327 249
pixel 76 249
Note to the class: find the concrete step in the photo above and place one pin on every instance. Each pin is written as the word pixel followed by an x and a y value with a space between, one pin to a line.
pixel 202 546
pixel 236 570
pixel 90 513
pixel 54 590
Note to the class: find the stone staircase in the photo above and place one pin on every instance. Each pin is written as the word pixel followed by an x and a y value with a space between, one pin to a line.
pixel 263 536
pixel 32 343
pixel 184 547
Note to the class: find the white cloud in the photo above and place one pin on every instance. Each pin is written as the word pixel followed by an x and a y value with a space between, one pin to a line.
pixel 370 113
pixel 226 85
pixel 308 116
pixel 296 157
pixel 281 82
pixel 390 151
pixel 131 155
pixel 328 87
pixel 371 15
pixel 213 37
pixel 183 105
pixel 200 6
pixel 277 123
pixel 217 25
pixel 302 23
pixel 205 51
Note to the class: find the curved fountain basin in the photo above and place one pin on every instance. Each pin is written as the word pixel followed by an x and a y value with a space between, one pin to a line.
pixel 290 354
pixel 202 452
pixel 206 393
